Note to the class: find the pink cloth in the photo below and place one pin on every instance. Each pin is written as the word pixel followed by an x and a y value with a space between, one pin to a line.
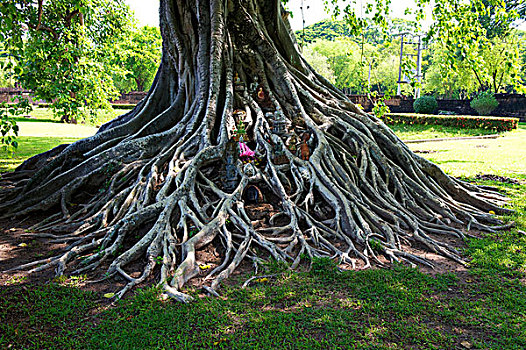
pixel 245 152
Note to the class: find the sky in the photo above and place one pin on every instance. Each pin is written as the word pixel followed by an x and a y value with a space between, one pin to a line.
pixel 147 11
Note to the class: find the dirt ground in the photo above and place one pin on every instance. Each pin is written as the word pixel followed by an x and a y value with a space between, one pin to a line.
pixel 18 247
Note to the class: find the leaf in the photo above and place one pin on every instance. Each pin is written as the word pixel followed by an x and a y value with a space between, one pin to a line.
pixel 204 267
pixel 109 295
pixel 466 344
pixel 22 245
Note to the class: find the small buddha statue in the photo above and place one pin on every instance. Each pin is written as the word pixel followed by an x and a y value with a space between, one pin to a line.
pixel 254 85
pixel 230 172
pixel 261 94
pixel 279 126
pixel 304 147
pixel 305 151
pixel 241 132
pixel 278 154
pixel 240 115
pixel 292 143
pixel 253 195
pixel 263 99
pixel 239 86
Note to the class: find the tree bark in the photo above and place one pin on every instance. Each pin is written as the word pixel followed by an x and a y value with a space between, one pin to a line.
pixel 148 187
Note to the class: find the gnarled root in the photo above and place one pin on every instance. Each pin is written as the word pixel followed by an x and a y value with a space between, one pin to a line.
pixel 147 190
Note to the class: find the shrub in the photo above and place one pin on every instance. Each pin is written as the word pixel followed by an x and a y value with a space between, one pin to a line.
pixel 425 105
pixel 458 121
pixel 123 105
pixel 484 103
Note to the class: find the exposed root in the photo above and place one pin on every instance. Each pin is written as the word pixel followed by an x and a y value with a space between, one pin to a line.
pixel 147 190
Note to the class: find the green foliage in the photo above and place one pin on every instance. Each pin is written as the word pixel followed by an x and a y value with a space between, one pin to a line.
pixel 484 103
pixel 497 67
pixel 273 266
pixel 380 109
pixel 319 63
pixel 408 132
pixel 323 267
pixel 6 67
pixel 63 53
pixel 139 56
pixel 8 127
pixel 459 121
pixel 350 62
pixel 330 29
pixel 425 105
pixel 472 44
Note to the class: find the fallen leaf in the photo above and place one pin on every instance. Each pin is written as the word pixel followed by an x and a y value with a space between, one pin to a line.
pixel 262 280
pixel 466 344
pixel 22 245
pixel 109 295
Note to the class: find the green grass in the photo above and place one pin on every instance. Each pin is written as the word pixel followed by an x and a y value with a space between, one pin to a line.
pixel 504 156
pixel 43 133
pixel 396 308
pixel 28 147
pixel 419 131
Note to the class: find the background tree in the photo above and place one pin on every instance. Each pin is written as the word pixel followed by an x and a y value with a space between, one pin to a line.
pixel 139 54
pixel 166 188
pixel 351 63
pixel 319 62
pixel 478 34
pixel 62 50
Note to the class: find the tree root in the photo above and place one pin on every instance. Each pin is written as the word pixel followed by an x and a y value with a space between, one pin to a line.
pixel 147 188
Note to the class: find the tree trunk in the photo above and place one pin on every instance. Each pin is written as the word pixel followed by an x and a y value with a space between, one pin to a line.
pixel 150 186
pixel 139 84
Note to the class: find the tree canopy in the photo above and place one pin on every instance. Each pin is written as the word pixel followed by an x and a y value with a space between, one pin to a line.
pixel 61 49
pixel 139 54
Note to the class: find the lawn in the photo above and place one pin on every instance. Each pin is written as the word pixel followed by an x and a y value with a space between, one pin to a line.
pixel 483 307
pixel 44 132
pixel 504 156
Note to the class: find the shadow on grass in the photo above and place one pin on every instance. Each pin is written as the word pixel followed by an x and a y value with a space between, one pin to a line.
pixel 456 161
pixel 35 120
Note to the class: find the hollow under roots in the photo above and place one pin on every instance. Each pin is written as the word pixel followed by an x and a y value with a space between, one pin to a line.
pixel 163 183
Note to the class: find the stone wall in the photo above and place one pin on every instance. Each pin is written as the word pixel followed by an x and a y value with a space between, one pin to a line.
pixel 6 94
pixel 510 105
pixel 132 97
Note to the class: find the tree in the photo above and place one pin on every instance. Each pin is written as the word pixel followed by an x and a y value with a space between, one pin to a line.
pixel 352 62
pixel 163 189
pixel 478 34
pixel 497 69
pixel 319 63
pixel 63 49
pixel 139 54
